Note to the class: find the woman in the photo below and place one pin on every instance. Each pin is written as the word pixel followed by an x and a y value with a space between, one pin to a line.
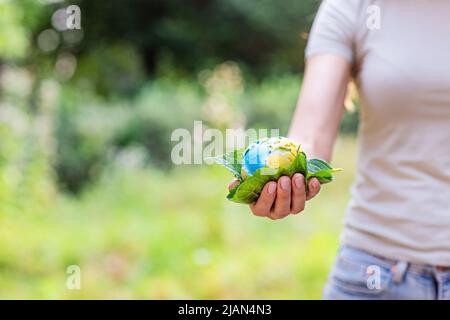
pixel 396 239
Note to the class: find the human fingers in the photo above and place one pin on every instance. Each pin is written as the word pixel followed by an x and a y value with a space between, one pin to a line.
pixel 282 206
pixel 298 193
pixel 313 188
pixel 263 205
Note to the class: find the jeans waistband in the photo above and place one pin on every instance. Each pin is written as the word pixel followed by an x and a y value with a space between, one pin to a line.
pixel 399 267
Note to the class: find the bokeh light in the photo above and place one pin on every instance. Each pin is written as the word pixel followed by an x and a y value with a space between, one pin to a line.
pixel 48 40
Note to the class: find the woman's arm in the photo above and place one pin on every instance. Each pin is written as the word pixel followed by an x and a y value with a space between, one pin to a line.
pixel 315 126
pixel 320 105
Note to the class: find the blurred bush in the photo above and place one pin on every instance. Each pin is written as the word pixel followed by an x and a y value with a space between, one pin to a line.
pixel 265 36
pixel 91 112
pixel 18 20
pixel 85 130
pixel 271 102
pixel 115 70
pixel 160 107
pixel 92 131
pixel 139 70
pixel 26 146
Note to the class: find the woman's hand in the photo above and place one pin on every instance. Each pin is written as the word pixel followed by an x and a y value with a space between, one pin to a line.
pixel 315 124
pixel 279 199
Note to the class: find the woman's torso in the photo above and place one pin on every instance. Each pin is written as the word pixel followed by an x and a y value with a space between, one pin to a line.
pixel 400 205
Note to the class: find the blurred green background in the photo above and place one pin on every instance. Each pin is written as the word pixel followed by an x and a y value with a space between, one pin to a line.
pixel 85 172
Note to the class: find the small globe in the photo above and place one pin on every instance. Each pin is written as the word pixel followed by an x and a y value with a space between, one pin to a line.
pixel 273 153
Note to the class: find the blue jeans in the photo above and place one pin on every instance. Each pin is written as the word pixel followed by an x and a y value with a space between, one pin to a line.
pixel 360 275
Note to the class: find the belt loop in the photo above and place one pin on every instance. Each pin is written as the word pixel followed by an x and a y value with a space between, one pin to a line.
pixel 399 271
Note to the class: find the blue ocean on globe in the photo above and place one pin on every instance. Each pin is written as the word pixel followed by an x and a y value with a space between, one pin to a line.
pixel 272 152
pixel 255 157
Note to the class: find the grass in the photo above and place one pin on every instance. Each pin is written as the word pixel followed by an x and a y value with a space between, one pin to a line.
pixel 149 235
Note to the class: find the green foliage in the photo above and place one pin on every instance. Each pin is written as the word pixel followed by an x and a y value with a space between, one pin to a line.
pixel 232 162
pixel 263 36
pixel 85 132
pixel 19 19
pixel 112 106
pixel 92 131
pixel 25 164
pixel 321 170
pixel 286 23
pixel 271 102
pixel 137 231
pixel 13 42
pixel 249 189
pixel 148 235
pixel 161 107
pixel 350 122
pixel 115 70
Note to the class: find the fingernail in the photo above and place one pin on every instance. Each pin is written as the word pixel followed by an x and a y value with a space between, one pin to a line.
pixel 272 188
pixel 298 180
pixel 315 184
pixel 285 183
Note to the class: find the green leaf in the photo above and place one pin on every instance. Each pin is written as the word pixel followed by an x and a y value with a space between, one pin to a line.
pixel 250 189
pixel 300 164
pixel 321 170
pixel 231 161
pixel 315 165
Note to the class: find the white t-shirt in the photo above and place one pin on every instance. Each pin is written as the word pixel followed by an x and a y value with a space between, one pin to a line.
pixel 400 205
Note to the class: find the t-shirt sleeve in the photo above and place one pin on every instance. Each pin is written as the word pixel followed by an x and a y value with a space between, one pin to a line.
pixel 333 30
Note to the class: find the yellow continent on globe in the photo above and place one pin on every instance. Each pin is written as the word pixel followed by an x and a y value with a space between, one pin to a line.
pixel 273 153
